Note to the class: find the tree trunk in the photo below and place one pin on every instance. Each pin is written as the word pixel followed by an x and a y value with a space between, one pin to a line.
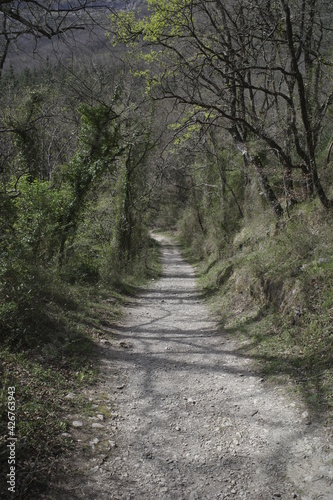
pixel 307 182
pixel 126 225
pixel 266 187
pixel 320 190
pixel 289 187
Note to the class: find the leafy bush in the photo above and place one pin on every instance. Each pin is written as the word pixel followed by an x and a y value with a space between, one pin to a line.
pixel 39 211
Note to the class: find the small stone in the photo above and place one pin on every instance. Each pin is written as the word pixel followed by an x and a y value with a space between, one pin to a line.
pixel 94 441
pixel 77 423
pixel 100 417
pixel 105 342
pixel 70 395
pixel 177 428
pixel 66 435
pixel 94 469
pixel 97 425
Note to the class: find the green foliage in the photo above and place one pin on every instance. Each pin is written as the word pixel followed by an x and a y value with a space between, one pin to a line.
pixel 28 251
pixel 57 220
pixel 98 146
pixel 165 17
pixel 166 20
pixel 39 209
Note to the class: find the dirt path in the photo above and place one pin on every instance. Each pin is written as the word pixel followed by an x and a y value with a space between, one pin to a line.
pixel 192 418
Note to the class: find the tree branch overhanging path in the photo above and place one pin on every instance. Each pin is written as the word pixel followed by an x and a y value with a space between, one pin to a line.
pixel 191 418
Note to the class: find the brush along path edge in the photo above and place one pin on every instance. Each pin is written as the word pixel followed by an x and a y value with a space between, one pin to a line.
pixel 193 419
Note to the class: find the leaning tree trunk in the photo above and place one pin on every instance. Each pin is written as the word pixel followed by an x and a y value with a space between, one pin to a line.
pixel 319 188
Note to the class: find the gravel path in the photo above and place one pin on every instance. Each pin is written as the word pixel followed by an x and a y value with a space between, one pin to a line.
pixel 193 420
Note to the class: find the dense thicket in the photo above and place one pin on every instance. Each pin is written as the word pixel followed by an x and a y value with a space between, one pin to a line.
pixel 74 180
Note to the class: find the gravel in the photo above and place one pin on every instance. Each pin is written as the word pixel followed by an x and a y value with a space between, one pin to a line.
pixel 192 418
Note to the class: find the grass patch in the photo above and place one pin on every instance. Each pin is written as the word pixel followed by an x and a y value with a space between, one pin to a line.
pixel 274 292
pixel 299 354
pixel 62 362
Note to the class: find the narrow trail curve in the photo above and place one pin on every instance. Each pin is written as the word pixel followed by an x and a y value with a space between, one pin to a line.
pixel 193 419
